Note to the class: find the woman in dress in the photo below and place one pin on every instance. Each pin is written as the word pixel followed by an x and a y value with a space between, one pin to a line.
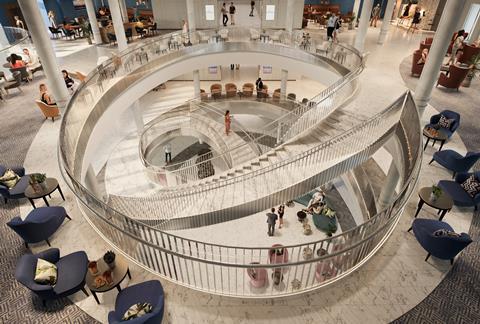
pixel 228 122
pixel 45 97
pixel 281 212
pixel 457 45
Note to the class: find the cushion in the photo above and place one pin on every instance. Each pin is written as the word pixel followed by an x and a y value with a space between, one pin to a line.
pixel 9 179
pixel 45 273
pixel 471 186
pixel 444 122
pixel 136 311
pixel 444 232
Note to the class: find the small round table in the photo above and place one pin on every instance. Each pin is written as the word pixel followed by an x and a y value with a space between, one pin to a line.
pixel 119 273
pixel 441 137
pixel 443 204
pixel 51 184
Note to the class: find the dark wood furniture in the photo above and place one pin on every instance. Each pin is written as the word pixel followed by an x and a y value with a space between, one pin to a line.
pixel 443 204
pixel 119 272
pixel 50 185
pixel 439 136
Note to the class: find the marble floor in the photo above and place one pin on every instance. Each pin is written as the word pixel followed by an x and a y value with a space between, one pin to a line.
pixel 392 282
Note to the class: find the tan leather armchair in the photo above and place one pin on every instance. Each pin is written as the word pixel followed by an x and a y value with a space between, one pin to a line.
pixel 231 90
pixel 247 89
pixel 49 111
pixel 455 78
pixel 216 90
pixel 468 53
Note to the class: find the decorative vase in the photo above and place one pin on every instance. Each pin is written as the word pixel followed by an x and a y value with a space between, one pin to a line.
pixel 111 265
pixel 37 187
pixel 433 197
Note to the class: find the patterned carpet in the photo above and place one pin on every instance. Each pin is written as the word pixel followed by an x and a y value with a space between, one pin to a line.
pixel 20 123
pixel 457 298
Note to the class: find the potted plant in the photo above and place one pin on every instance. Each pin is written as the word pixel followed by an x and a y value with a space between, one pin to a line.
pixel 474 68
pixel 436 193
pixel 109 259
pixel 87 32
pixel 37 181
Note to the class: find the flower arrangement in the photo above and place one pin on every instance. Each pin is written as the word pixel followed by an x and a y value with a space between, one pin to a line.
pixel 327 211
pixel 37 178
pixel 436 192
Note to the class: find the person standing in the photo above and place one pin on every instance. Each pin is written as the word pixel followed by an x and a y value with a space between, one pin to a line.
pixel 168 152
pixel 271 220
pixel 228 122
pixel 457 45
pixel 375 15
pixel 232 10
pixel 331 24
pixel 259 84
pixel 19 23
pixel 281 212
pixel 252 6
pixel 51 19
pixel 416 20
pixel 224 15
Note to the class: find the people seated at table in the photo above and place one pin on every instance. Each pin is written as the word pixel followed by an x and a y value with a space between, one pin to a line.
pixel 423 58
pixel 31 59
pixel 68 81
pixel 45 96
pixel 15 61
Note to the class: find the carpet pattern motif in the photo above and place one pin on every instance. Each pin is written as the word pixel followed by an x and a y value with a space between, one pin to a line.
pixel 17 303
pixel 457 298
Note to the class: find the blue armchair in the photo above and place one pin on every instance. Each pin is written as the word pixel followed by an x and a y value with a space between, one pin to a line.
pixel 145 292
pixel 442 247
pixel 71 271
pixel 459 195
pixel 455 162
pixel 16 192
pixel 39 225
pixel 450 115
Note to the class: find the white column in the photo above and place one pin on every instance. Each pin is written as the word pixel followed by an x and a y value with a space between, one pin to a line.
pixel 118 24
pixel 43 46
pixel 283 83
pixel 93 22
pixel 475 32
pixel 138 117
pixel 386 21
pixel 441 41
pixel 123 10
pixel 290 15
pixel 363 25
pixel 388 189
pixel 356 8
pixel 191 15
pixel 196 83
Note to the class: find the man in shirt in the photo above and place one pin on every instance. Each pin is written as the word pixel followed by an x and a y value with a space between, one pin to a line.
pixel 168 152
pixel 252 6
pixel 224 15
pixel 331 23
pixel 271 220
pixel 232 10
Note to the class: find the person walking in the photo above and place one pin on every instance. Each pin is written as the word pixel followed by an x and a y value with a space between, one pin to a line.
pixel 271 220
pixel 252 6
pixel 228 122
pixel 232 10
pixel 375 15
pixel 331 24
pixel 168 152
pixel 415 21
pixel 281 212
pixel 259 84
pixel 224 15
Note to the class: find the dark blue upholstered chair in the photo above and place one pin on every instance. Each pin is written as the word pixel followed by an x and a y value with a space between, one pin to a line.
pixel 459 195
pixel 71 271
pixel 145 292
pixel 455 162
pixel 39 225
pixel 16 192
pixel 450 115
pixel 442 247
